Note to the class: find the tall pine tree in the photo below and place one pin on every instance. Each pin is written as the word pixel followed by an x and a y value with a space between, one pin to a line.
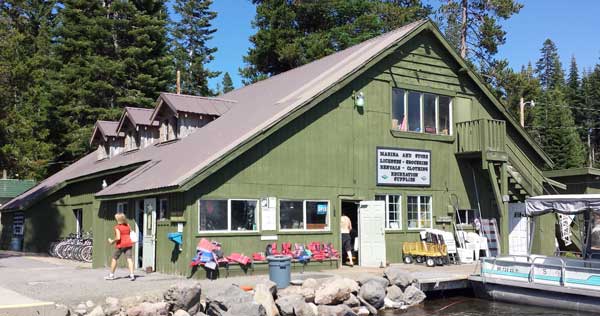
pixel 293 33
pixel 192 54
pixel 24 84
pixel 227 83
pixel 549 68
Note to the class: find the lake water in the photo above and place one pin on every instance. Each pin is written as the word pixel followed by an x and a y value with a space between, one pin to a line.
pixel 468 306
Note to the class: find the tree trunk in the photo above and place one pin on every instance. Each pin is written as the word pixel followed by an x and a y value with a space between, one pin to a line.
pixel 463 29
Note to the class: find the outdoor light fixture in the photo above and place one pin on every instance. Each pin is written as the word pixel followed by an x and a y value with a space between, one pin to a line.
pixel 359 100
pixel 104 184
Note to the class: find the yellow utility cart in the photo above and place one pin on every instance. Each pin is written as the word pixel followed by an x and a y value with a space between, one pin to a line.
pixel 420 251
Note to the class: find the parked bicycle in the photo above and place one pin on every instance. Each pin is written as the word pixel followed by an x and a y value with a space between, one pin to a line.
pixel 73 247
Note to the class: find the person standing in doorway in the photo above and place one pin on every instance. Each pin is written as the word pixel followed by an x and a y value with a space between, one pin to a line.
pixel 123 245
pixel 345 228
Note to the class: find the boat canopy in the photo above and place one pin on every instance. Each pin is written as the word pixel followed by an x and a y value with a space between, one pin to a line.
pixel 568 204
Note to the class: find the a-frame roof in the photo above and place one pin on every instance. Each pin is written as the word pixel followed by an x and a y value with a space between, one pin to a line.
pixel 136 116
pixel 104 130
pixel 259 110
pixel 192 104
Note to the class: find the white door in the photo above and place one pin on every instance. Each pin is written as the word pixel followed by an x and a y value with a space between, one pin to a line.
pixel 371 219
pixel 149 233
pixel 518 238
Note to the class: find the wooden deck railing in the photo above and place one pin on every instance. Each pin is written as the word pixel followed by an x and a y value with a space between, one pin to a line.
pixel 482 135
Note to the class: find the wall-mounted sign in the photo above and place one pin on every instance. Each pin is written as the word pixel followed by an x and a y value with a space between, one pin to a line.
pixel 403 167
pixel 268 207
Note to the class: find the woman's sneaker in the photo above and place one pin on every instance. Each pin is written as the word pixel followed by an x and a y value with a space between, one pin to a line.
pixel 131 277
pixel 109 277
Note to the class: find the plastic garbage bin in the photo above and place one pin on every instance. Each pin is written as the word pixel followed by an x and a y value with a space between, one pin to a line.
pixel 16 243
pixel 280 270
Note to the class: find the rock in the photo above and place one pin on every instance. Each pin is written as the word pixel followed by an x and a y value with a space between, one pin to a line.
pixel 247 309
pixel 368 277
pixel 334 310
pixel 221 299
pixel 395 293
pixel 181 312
pixel 413 296
pixel 373 293
pixel 80 309
pixel 335 291
pixel 314 308
pixel 89 304
pixel 388 303
pixel 361 311
pixel 98 311
pixel 306 309
pixel 111 301
pixel 200 314
pixel 306 292
pixel 149 309
pixel 352 301
pixel 184 296
pixel 311 284
pixel 399 277
pixel 271 286
pixel 264 297
pixel 288 304
pixel 372 310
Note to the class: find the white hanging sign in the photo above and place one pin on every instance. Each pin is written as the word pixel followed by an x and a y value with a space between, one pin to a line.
pixel 403 167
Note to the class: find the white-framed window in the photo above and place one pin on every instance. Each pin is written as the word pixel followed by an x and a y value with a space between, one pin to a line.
pixel 18 223
pixel 163 206
pixel 227 215
pixel 168 129
pixel 78 213
pixel 122 207
pixel 419 210
pixel 132 140
pixel 393 210
pixel 421 112
pixel 304 215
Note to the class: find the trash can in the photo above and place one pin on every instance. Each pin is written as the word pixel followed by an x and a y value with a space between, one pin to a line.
pixel 280 270
pixel 16 243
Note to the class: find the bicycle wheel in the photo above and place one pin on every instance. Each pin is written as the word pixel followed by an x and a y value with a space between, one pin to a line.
pixel 86 253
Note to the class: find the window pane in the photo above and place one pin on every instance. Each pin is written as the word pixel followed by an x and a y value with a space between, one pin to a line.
pixel 213 215
pixel 398 119
pixel 429 113
pixel 243 214
pixel 412 211
pixel 414 112
pixel 425 212
pixel 291 215
pixel 162 211
pixel 316 215
pixel 394 208
pixel 444 120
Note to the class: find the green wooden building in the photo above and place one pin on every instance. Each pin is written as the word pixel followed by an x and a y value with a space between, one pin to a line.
pixel 399 118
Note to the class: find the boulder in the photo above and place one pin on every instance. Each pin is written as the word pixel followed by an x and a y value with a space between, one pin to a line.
pixel 335 310
pixel 369 277
pixel 311 284
pixel 271 286
pixel 395 293
pixel 307 292
pixel 97 311
pixel 389 304
pixel 413 296
pixel 372 310
pixel 399 277
pixel 112 306
pixel 246 309
pixel 81 309
pixel 89 304
pixel 289 304
pixel 335 291
pixel 149 309
pixel 264 297
pixel 373 293
pixel 185 297
pixel 181 312
pixel 361 311
pixel 306 309
pixel 221 299
pixel 352 301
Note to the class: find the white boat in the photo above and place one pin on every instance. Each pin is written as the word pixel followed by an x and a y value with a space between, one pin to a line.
pixel 555 282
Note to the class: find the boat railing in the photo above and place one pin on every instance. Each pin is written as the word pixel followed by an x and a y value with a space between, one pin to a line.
pixel 562 267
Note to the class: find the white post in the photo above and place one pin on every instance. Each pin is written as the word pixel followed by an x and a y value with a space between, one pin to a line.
pixel 522 108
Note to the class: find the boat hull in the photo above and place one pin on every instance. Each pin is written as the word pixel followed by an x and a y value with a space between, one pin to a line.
pixel 535 294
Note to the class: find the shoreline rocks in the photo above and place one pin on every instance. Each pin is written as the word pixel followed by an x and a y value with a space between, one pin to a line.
pixel 336 296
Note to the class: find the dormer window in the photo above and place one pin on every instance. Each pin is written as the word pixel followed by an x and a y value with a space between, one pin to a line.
pixel 132 140
pixel 102 151
pixel 108 141
pixel 168 129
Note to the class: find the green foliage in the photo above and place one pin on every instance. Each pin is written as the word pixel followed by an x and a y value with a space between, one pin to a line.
pixel 473 28
pixel 549 68
pixel 294 33
pixel 227 83
pixel 190 36
pixel 517 85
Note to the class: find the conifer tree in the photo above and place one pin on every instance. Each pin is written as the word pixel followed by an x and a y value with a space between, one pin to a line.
pixel 227 83
pixel 294 33
pixel 549 68
pixel 192 54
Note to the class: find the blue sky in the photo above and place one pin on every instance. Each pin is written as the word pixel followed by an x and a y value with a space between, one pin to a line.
pixel 573 25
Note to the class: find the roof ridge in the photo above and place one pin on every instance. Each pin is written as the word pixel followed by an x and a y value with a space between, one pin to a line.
pixel 200 97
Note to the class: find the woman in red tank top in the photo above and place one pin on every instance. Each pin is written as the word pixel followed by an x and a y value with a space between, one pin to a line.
pixel 123 245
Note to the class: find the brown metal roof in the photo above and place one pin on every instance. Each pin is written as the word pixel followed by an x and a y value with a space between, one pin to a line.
pixel 257 107
pixel 193 104
pixel 105 129
pixel 137 116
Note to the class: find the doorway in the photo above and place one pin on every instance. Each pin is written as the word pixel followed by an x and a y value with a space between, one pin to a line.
pixel 350 209
pixel 139 247
pixel 149 235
